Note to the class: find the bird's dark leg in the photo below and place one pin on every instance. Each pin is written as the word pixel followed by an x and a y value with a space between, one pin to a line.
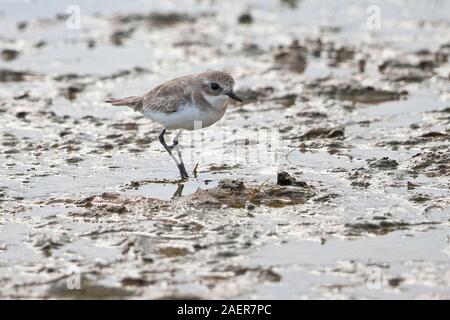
pixel 182 163
pixel 169 150
pixel 175 145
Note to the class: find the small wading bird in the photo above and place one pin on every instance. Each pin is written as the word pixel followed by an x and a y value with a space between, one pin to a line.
pixel 182 102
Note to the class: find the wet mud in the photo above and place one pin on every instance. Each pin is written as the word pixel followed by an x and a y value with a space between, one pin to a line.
pixel 331 180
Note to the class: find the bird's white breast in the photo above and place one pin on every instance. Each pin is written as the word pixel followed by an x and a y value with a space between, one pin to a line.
pixel 188 117
pixel 217 102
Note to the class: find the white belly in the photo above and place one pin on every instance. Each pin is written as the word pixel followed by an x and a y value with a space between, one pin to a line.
pixel 187 117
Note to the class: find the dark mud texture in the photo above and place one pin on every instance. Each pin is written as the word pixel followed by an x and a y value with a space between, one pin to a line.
pixel 331 180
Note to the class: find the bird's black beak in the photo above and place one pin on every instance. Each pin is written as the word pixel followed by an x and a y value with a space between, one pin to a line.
pixel 234 96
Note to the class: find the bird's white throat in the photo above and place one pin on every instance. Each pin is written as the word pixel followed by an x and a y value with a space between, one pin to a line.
pixel 217 102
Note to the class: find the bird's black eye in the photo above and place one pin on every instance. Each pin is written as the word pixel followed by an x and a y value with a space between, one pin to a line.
pixel 215 86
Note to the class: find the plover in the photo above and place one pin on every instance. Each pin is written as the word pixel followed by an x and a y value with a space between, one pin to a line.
pixel 189 102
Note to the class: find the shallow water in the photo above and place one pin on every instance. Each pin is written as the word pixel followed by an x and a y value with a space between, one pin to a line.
pixel 368 227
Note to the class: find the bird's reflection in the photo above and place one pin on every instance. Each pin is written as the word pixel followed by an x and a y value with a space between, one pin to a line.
pixel 178 192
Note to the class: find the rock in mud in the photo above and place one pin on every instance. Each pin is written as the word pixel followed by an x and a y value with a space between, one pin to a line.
pixel 72 91
pixel 432 164
pixel 380 227
pixel 285 179
pixel 384 163
pixel 263 274
pixel 435 134
pixel 223 167
pixel 22 25
pixel 312 114
pixel 339 54
pixel 286 100
pixel 354 92
pixel 40 44
pixel 409 76
pixel 252 49
pixel 254 95
pixel 127 126
pixel 173 251
pixel 420 198
pixel 236 185
pixel 431 136
pixel 290 3
pixel 135 71
pixel 74 160
pixel 109 203
pixel 9 54
pixel 320 133
pixel 335 54
pixel 119 36
pixel 359 177
pixel 68 77
pixel 7 75
pixel 21 114
pixel 292 57
pixel 157 19
pixel 46 243
pixel 411 186
pixel 425 60
pixel 170 19
pixel 245 18
pixel 235 194
pixel 415 67
pixel 398 71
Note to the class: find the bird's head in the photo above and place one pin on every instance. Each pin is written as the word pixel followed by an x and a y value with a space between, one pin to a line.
pixel 217 88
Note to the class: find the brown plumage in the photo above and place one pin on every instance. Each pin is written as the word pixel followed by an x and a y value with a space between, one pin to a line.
pixel 169 96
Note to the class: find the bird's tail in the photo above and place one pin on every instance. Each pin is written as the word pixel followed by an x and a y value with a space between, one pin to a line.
pixel 134 102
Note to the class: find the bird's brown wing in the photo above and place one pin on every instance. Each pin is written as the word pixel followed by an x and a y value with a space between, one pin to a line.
pixel 169 96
